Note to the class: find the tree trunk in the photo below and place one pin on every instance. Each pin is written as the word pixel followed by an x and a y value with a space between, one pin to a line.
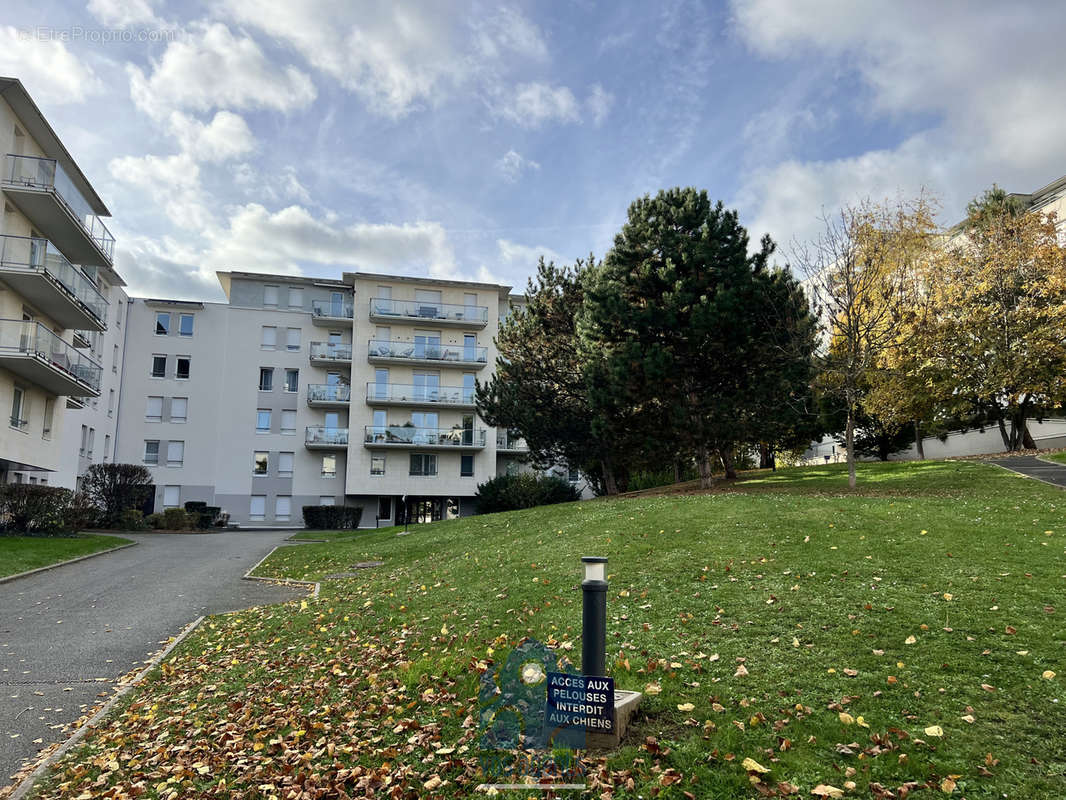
pixel 849 444
pixel 919 441
pixel 677 471
pixel 766 457
pixel 1003 432
pixel 728 463
pixel 706 466
pixel 1027 439
pixel 609 482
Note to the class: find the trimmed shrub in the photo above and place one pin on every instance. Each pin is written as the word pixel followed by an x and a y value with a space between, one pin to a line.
pixel 525 490
pixel 175 519
pixel 132 519
pixel 117 488
pixel 201 515
pixel 154 520
pixel 332 518
pixel 81 513
pixel 34 510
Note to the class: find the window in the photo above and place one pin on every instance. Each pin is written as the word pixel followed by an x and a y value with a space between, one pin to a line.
pixel 171 496
pixel 266 379
pixel 423 464
pixel 114 360
pixel 285 461
pixel 377 465
pixel 175 454
pixel 296 297
pixel 182 372
pixel 179 409
pixel 329 466
pixel 270 295
pixel 151 451
pixel 262 420
pixel 466 465
pixel 17 401
pixel 288 421
pixel 260 463
pixel 84 439
pixel 110 402
pixel 159 366
pixel 185 325
pixel 162 323
pixel 49 417
pixel 326 500
pixel 257 508
pixel 107 446
pixel 573 475
pixel 92 442
pixel 154 411
pixel 292 339
pixel 384 508
pixel 270 338
pixel 282 507
pixel 292 380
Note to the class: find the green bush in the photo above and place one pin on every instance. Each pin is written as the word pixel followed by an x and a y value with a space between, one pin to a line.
pixel 175 519
pixel 132 519
pixel 332 518
pixel 81 513
pixel 201 515
pixel 116 488
pixel 35 510
pixel 525 490
pixel 154 520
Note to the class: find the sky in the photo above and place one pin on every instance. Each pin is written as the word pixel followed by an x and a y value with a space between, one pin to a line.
pixel 463 140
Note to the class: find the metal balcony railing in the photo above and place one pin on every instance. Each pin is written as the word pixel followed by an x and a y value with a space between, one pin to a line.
pixel 423 311
pixel 504 441
pixel 34 254
pixel 46 173
pixel 329 393
pixel 320 434
pixel 428 437
pixel 410 393
pixel 34 339
pixel 329 351
pixel 428 351
pixel 328 308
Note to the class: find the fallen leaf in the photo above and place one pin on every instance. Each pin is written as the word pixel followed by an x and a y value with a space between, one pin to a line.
pixel 934 730
pixel 910 640
pixel 685 707
pixel 751 765
pixel 1048 675
pixel 824 790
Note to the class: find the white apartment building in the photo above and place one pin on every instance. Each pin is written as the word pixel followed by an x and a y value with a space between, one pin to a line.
pixel 58 299
pixel 302 391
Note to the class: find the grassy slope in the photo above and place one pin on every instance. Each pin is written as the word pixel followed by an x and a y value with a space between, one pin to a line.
pixel 21 553
pixel 1059 457
pixel 787 574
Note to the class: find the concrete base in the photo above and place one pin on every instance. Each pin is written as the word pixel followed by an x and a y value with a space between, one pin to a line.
pixel 625 703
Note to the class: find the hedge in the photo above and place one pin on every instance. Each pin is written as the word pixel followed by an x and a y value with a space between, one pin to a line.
pixel 332 518
pixel 525 490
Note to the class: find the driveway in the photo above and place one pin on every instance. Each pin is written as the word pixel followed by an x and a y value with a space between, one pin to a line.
pixel 68 634
pixel 1035 468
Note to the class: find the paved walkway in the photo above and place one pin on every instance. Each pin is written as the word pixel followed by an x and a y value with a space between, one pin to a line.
pixel 1034 468
pixel 66 635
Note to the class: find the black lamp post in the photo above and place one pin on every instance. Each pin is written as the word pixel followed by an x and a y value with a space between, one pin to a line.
pixel 594 616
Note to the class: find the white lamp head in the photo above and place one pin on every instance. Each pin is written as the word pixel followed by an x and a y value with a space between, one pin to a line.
pixel 595 568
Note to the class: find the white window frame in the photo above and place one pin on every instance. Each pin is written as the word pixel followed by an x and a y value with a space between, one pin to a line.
pixel 177 365
pixel 166 329
pixel 258 413
pixel 174 491
pixel 176 453
pixel 257 507
pixel 286 514
pixel 266 463
pixel 174 417
pixel 269 338
pixel 181 325
pixel 148 415
pixel 292 339
pixel 288 430
pixel 284 458
pixel 155 461
pixel 270 296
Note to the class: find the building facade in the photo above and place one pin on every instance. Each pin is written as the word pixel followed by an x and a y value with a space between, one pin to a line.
pixel 58 296
pixel 302 391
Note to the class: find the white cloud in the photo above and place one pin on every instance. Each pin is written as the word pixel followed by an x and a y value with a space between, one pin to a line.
pixel 523 258
pixel 995 105
pixel 507 31
pixel 209 68
pixel 599 104
pixel 511 166
pixel 226 136
pixel 533 104
pixel 123 13
pixel 172 182
pixel 50 72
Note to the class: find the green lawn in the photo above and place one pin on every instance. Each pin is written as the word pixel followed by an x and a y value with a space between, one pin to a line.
pixel 1059 457
pixel 893 637
pixel 21 553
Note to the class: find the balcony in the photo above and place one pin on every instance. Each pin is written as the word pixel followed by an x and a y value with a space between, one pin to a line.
pixel 386 310
pixel 36 354
pixel 35 269
pixel 406 437
pixel 430 354
pixel 328 354
pixel 506 444
pixel 319 437
pixel 47 196
pixel 81 339
pixel 401 394
pixel 328 395
pixel 328 313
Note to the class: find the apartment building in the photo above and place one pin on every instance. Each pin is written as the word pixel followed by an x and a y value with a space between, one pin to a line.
pixel 302 391
pixel 57 286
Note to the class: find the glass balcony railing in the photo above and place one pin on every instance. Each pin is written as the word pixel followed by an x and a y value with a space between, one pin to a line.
pixel 321 435
pixel 409 393
pixel 420 310
pixel 425 437
pixel 329 393
pixel 329 308
pixel 34 339
pixel 505 441
pixel 46 173
pixel 32 254
pixel 429 351
pixel 330 351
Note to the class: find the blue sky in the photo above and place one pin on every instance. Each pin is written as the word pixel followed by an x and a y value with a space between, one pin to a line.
pixel 462 140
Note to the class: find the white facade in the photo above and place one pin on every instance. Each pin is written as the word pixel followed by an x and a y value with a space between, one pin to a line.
pixel 58 293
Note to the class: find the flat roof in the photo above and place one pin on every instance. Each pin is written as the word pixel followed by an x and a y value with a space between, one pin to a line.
pixel 426 281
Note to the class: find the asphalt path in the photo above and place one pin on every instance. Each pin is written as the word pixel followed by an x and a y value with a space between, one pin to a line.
pixel 1035 468
pixel 68 634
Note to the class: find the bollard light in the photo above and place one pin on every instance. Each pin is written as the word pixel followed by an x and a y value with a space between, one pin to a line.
pixel 594 617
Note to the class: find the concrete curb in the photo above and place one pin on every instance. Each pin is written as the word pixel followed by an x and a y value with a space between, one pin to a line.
pixel 1030 477
pixel 27 783
pixel 29 572
pixel 315 586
